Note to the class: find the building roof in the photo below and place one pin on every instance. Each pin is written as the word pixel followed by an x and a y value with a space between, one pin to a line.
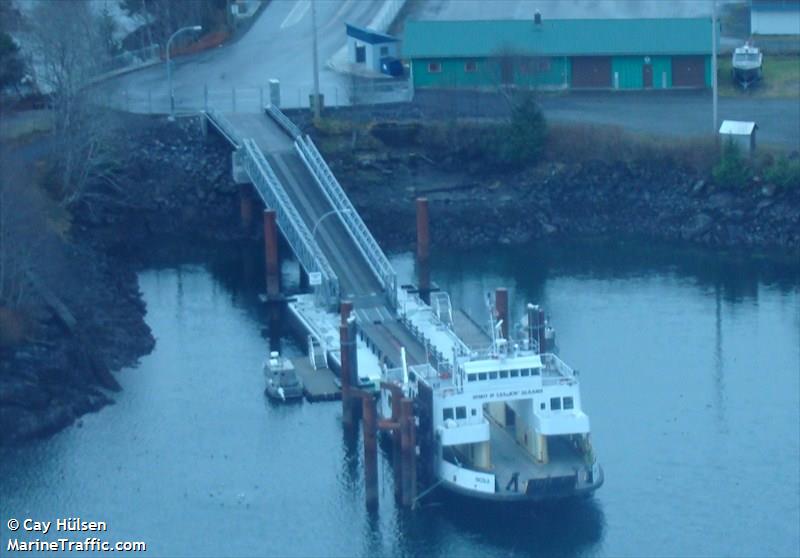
pixel 775 5
pixel 737 128
pixel 369 36
pixel 556 37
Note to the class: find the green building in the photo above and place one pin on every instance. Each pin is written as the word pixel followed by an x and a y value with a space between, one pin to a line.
pixel 560 54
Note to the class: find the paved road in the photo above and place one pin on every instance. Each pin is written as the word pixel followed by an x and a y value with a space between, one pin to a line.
pixel 278 45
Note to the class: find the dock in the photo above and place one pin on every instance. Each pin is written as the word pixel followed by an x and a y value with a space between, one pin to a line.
pixel 319 384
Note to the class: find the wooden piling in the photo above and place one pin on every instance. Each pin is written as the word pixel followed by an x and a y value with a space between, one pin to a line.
pixel 408 451
pixel 369 423
pixel 501 305
pixel 271 253
pixel 423 249
pixel 246 207
pixel 344 374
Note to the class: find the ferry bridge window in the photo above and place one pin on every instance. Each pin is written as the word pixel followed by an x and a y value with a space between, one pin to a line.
pixel 447 413
pixel 482 376
pixel 526 371
pixel 542 406
pixel 515 373
pixel 568 403
pixel 472 377
pixel 504 373
pixel 474 412
pixel 534 371
pixel 492 375
pixel 461 413
pixel 555 403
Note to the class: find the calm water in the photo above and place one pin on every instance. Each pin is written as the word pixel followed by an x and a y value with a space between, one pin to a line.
pixel 690 367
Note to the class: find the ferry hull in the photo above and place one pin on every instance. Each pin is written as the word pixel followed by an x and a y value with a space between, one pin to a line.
pixel 540 493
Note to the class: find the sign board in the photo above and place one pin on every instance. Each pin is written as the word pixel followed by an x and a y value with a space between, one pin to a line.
pixel 315 278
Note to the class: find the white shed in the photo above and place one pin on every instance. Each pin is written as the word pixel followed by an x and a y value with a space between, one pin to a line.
pixel 775 17
pixel 366 46
pixel 741 133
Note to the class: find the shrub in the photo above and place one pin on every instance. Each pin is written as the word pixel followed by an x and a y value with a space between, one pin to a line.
pixel 732 170
pixel 783 172
pixel 526 134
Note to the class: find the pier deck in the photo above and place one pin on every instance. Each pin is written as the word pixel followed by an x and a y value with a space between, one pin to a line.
pixel 319 384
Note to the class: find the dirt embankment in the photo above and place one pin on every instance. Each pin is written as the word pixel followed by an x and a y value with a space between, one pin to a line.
pixel 581 188
pixel 79 313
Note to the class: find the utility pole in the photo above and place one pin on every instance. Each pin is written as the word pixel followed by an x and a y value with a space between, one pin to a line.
pixel 714 61
pixel 316 63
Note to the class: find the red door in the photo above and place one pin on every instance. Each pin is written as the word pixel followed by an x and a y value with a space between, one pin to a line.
pixel 647 76
pixel 688 71
pixel 591 71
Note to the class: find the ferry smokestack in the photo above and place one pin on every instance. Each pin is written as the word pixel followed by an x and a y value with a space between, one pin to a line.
pixel 423 249
pixel 501 306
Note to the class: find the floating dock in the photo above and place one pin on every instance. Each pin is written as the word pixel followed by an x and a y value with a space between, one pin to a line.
pixel 319 384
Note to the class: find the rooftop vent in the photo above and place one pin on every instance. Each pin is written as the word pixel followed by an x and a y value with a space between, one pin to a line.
pixel 537 17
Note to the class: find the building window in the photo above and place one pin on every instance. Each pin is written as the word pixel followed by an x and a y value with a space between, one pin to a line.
pixel 472 377
pixel 434 68
pixel 555 403
pixel 470 66
pixel 384 51
pixel 568 403
pixel 447 413
pixel 461 413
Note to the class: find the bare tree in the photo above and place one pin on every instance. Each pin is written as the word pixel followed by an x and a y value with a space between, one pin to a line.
pixel 69 51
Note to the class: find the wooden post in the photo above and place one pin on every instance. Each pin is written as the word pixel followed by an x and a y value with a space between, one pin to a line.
pixel 501 305
pixel 370 449
pixel 246 207
pixel 344 373
pixel 408 450
pixel 423 249
pixel 271 254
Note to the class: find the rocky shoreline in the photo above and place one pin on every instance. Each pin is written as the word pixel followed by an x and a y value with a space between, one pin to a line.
pixel 177 186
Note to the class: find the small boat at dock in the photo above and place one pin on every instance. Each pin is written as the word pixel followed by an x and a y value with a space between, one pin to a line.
pixel 746 65
pixel 283 384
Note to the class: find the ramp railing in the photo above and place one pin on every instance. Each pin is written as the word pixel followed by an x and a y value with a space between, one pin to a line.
pixel 224 127
pixel 366 243
pixel 283 121
pixel 292 226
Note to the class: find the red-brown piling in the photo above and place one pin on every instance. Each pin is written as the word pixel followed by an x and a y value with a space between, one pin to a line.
pixel 542 339
pixel 344 310
pixel 344 373
pixel 271 253
pixel 370 427
pixel 408 450
pixel 501 306
pixel 423 249
pixel 246 207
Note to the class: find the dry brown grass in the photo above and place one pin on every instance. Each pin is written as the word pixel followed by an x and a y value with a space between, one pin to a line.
pixel 575 143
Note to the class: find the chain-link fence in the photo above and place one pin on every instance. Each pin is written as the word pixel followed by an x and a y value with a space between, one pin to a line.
pixel 253 99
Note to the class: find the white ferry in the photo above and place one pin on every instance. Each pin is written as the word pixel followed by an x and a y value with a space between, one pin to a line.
pixel 502 422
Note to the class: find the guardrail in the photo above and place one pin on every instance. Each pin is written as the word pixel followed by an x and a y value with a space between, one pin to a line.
pixel 224 127
pixel 283 121
pixel 289 221
pixel 355 225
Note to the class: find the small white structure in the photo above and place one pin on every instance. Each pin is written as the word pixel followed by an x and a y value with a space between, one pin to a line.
pixel 741 133
pixel 775 17
pixel 367 47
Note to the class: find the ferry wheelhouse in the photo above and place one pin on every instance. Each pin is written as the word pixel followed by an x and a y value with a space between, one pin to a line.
pixel 501 422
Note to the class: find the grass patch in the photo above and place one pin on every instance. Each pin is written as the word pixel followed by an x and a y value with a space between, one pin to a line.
pixel 781 78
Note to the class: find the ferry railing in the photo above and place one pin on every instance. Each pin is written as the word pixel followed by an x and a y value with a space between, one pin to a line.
pixel 366 243
pixel 555 364
pixel 292 226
